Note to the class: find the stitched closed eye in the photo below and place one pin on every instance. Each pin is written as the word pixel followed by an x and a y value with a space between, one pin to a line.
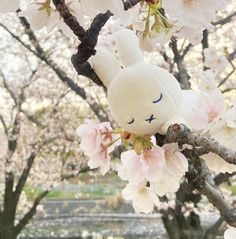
pixel 158 100
pixel 131 122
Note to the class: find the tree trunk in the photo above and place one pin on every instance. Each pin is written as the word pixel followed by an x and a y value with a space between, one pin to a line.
pixel 180 227
pixel 7 232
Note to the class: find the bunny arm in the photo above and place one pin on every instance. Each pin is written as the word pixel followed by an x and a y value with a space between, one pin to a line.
pixel 105 65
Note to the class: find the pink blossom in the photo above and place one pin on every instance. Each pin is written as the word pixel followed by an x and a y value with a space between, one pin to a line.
pixel 176 162
pixel 132 168
pixel 148 165
pixel 100 159
pixel 208 110
pixel 176 165
pixel 224 130
pixel 97 143
pixel 143 198
pixel 216 62
pixel 168 184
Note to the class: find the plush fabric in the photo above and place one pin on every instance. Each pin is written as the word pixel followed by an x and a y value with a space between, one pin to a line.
pixel 144 99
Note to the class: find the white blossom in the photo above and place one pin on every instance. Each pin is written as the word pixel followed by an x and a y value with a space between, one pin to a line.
pixel 40 16
pixel 230 233
pixel 215 61
pixel 192 16
pixel 207 81
pixel 9 6
pixel 92 8
pixel 143 198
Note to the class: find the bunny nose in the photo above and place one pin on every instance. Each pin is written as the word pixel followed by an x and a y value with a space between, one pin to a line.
pixel 149 120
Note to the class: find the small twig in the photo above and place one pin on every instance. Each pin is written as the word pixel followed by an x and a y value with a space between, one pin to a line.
pixel 228 75
pixel 224 20
pixel 232 55
pixel 182 72
pixel 227 90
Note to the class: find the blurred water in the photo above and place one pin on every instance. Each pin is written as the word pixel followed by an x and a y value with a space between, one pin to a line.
pixel 95 219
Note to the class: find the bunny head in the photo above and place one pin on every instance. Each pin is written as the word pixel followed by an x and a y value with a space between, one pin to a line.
pixel 143 99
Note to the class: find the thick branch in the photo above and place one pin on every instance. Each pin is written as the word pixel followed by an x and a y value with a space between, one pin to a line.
pixel 88 38
pixel 130 3
pixel 202 180
pixel 22 180
pixel 69 19
pixel 28 216
pixel 182 134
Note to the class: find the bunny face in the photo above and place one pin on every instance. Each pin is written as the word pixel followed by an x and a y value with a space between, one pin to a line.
pixel 142 97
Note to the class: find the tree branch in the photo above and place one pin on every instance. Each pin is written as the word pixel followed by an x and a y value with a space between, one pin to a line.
pixel 201 179
pixel 232 55
pixel 99 112
pixel 24 175
pixel 183 74
pixel 225 20
pixel 130 3
pixel 28 216
pixel 182 134
pixel 69 19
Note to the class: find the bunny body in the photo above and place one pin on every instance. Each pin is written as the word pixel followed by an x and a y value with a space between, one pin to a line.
pixel 143 99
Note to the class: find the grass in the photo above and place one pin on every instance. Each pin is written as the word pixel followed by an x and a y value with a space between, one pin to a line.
pixel 32 193
pixel 92 187
pixel 97 192
pixel 233 189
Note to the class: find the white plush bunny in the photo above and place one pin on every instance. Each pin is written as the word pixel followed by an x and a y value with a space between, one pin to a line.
pixel 144 99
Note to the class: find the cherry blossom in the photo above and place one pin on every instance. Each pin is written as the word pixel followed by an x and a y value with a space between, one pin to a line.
pixel 149 43
pixel 42 15
pixel 224 131
pixel 163 167
pixel 207 81
pixel 193 35
pixel 230 233
pixel 135 168
pixel 97 144
pixel 143 198
pixel 214 61
pixel 175 167
pixel 208 110
pixel 92 8
pixel 9 6
pixel 218 165
pixel 194 16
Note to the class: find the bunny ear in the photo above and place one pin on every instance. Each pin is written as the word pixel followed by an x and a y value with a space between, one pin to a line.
pixel 128 47
pixel 105 65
